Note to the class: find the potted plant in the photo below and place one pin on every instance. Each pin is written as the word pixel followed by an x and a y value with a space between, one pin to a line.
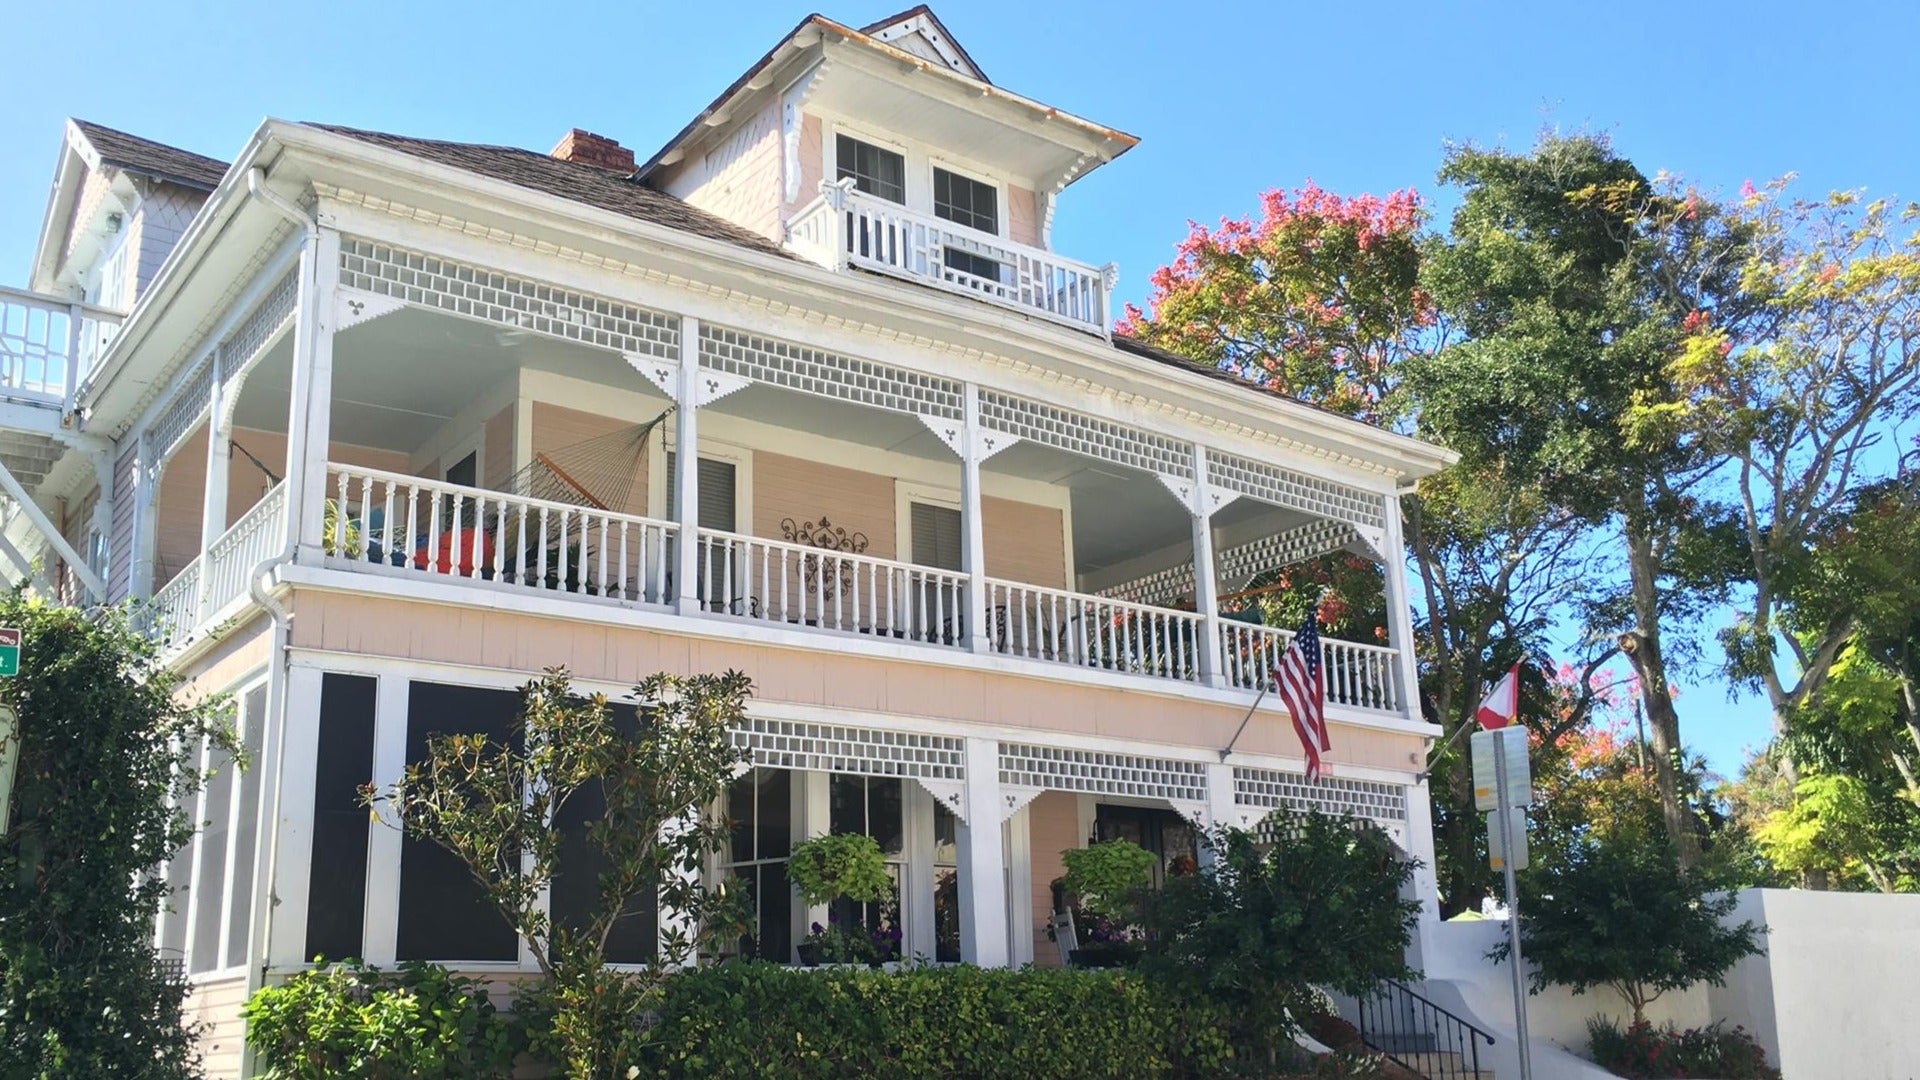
pixel 1104 882
pixel 843 867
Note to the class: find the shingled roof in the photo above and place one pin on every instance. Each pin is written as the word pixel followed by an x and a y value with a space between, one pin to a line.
pixel 569 180
pixel 149 158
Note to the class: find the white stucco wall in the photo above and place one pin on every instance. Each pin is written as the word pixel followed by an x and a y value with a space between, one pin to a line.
pixel 1831 998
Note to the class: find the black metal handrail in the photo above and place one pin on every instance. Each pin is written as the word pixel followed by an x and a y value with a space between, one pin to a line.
pixel 1419 1035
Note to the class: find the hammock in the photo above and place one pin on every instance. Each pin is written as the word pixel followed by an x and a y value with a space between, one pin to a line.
pixel 604 472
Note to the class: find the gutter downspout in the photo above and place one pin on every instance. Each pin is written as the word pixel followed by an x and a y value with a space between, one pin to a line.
pixel 259 584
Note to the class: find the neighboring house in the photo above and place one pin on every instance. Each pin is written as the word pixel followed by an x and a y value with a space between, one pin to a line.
pixel 382 427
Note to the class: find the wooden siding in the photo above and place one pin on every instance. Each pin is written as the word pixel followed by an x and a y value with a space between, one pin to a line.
pixel 239 655
pixel 497 449
pixel 738 178
pixel 76 521
pixel 788 488
pixel 214 1005
pixel 1023 217
pixel 812 163
pixel 1053 826
pixel 161 220
pixel 556 427
pixel 120 540
pixel 1024 542
pixel 511 641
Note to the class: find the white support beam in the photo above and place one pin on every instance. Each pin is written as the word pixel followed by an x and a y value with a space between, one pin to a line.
pixel 1206 596
pixel 983 878
pixel 292 822
pixel 310 411
pixel 381 929
pixel 38 519
pixel 686 470
pixel 973 549
pixel 28 571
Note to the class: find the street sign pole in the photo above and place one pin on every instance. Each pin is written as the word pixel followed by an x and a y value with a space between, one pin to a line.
pixel 1513 905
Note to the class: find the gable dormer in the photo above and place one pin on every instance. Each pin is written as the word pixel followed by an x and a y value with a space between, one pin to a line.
pixel 887 149
pixel 119 205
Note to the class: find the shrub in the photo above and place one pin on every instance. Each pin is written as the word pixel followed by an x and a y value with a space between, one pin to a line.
pixel 850 865
pixel 748 1019
pixel 1642 1050
pixel 102 795
pixel 419 1023
pixel 1105 877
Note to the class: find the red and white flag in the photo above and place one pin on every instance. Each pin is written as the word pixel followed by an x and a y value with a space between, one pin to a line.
pixel 1503 705
pixel 1303 690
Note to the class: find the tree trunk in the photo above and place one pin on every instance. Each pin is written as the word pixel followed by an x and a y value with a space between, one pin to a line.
pixel 1642 646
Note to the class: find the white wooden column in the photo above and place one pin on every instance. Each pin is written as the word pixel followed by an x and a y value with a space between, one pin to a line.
pixel 686 469
pixel 812 817
pixel 146 479
pixel 310 413
pixel 380 930
pixel 1393 558
pixel 293 821
pixel 916 891
pixel 1206 583
pixel 973 550
pixel 213 507
pixel 983 879
pixel 1019 864
pixel 1221 809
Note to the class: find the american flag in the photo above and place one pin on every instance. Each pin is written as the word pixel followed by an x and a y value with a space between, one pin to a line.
pixel 1303 690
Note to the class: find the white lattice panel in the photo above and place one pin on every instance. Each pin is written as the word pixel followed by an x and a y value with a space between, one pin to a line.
pixel 1088 436
pixel 1101 772
pixel 187 409
pixel 516 302
pixel 1298 491
pixel 828 375
pixel 273 312
pixel 1272 789
pixel 787 744
pixel 1241 563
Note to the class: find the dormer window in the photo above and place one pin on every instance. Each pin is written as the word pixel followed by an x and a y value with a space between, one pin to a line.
pixel 876 171
pixel 966 201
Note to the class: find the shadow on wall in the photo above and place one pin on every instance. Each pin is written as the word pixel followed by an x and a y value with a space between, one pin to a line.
pixel 1831 995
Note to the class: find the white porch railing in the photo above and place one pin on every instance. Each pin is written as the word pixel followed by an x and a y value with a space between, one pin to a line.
pixel 1360 676
pixel 1092 631
pixel 848 227
pixel 780 582
pixel 399 523
pixel 174 611
pixel 48 345
pixel 259 534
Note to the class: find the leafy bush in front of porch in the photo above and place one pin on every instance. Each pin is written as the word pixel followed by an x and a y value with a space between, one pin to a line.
pixel 418 1023
pixel 756 1020
pixel 1641 1051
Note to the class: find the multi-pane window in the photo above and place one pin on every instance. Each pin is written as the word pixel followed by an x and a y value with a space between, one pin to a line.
pixel 875 170
pixel 966 201
pixel 871 806
pixel 760 813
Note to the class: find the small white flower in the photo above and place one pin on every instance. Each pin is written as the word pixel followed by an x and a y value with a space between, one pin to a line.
pixel 632 1071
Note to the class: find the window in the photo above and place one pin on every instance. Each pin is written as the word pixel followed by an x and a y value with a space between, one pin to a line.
pixel 936 536
pixel 716 511
pixel 760 813
pixel 875 171
pixel 336 893
pixel 246 824
pixel 871 806
pixel 966 201
pixel 466 471
pixel 1163 832
pixel 444 914
pixel 946 885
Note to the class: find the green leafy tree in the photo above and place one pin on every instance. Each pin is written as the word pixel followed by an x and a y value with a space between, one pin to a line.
pixel 107 767
pixel 495 807
pixel 1265 923
pixel 1107 878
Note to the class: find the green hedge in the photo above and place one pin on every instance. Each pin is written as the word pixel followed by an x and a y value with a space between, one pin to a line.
pixel 745 1019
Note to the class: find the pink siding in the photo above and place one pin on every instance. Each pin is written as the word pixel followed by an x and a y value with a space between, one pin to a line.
pixel 497 449
pixel 1053 826
pixel 1023 217
pixel 786 488
pixel 812 167
pixel 739 178
pixel 556 427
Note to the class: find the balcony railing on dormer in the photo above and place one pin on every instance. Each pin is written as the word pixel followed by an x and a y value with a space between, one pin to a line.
pixel 845 227
pixel 48 345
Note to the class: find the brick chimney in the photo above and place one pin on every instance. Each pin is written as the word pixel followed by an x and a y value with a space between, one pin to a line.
pixel 586 148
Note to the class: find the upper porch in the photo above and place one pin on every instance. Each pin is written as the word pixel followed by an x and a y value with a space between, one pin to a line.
pixel 477 436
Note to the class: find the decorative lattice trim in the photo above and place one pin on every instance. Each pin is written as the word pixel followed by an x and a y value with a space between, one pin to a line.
pixel 520 303
pixel 1298 491
pixel 786 744
pixel 187 409
pixel 1239 564
pixel 1101 772
pixel 829 375
pixel 1273 789
pixel 273 312
pixel 1089 436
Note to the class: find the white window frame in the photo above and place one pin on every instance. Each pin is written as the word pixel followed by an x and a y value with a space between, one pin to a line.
pixel 225 967
pixel 921 159
pixel 997 183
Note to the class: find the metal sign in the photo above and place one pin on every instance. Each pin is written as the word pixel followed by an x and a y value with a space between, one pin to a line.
pixel 1497 839
pixel 9 760
pixel 9 652
pixel 1509 742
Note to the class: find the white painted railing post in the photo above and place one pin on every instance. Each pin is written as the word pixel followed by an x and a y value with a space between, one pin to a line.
pixel 973 552
pixel 983 877
pixel 686 469
pixel 1206 585
pixel 76 330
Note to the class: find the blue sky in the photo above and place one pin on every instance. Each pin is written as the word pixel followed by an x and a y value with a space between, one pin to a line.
pixel 1228 99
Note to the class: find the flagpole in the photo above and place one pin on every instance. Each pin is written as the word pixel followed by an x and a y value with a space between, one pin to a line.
pixel 1265 683
pixel 1441 751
